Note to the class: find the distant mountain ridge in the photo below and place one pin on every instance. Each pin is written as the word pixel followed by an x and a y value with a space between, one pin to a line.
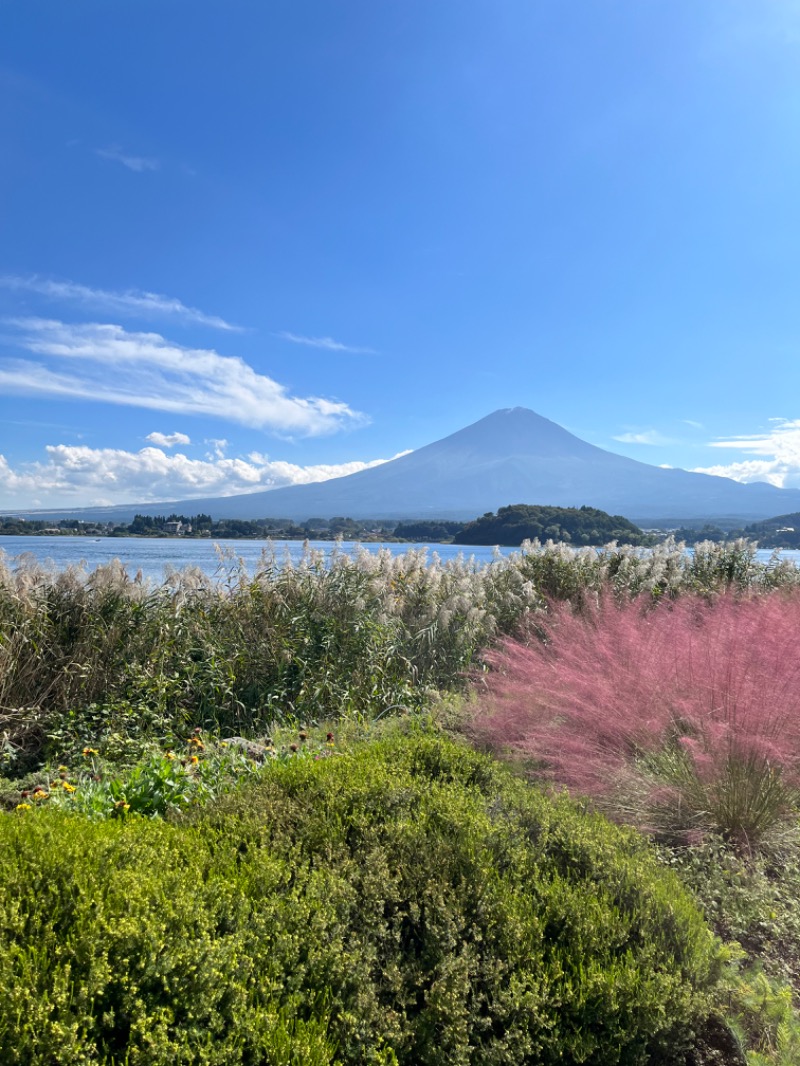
pixel 513 455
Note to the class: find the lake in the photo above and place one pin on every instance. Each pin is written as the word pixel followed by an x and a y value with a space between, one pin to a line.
pixel 153 555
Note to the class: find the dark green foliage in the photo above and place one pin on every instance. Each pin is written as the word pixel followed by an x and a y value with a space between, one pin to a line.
pixel 780 532
pixel 580 525
pixel 695 535
pixel 410 904
pixel 428 529
pixel 199 525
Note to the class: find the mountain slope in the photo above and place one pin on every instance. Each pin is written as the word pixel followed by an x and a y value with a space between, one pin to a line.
pixel 511 456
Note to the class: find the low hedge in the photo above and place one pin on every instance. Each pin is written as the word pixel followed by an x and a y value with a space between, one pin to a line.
pixel 411 903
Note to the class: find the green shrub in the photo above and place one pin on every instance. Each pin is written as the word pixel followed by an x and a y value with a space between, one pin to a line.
pixel 410 903
pixel 752 903
pixel 750 900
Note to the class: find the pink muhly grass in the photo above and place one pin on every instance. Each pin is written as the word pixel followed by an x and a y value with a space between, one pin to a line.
pixel 623 701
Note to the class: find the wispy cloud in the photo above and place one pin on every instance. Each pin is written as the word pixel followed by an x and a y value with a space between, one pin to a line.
pixel 693 424
pixel 130 302
pixel 785 434
pixel 168 440
pixel 106 363
pixel 40 425
pixel 778 454
pixel 96 476
pixel 328 344
pixel 137 163
pixel 647 436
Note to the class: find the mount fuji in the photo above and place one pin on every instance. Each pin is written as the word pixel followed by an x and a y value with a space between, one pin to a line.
pixel 511 456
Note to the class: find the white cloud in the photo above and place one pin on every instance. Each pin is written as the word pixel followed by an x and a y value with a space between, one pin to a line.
pixel 327 343
pixel 218 448
pixel 167 440
pixel 749 471
pixel 778 454
pixel 108 364
pixel 130 302
pixel 82 476
pixel 137 163
pixel 693 424
pixel 305 475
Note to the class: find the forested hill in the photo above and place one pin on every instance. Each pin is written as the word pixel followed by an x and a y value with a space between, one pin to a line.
pixel 780 532
pixel 522 521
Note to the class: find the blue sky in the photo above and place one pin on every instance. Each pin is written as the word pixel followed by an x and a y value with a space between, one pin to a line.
pixel 258 243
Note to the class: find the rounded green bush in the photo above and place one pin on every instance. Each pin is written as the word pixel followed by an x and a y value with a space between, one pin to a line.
pixel 411 903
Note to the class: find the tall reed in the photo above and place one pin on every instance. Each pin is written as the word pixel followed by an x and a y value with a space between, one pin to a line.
pixel 84 654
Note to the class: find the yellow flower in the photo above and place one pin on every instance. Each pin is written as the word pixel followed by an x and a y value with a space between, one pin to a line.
pixel 89 751
pixel 41 794
pixel 169 755
pixel 193 758
pixel 67 786
pixel 24 807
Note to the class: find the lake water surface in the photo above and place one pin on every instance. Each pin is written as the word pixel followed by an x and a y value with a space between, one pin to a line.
pixel 154 556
